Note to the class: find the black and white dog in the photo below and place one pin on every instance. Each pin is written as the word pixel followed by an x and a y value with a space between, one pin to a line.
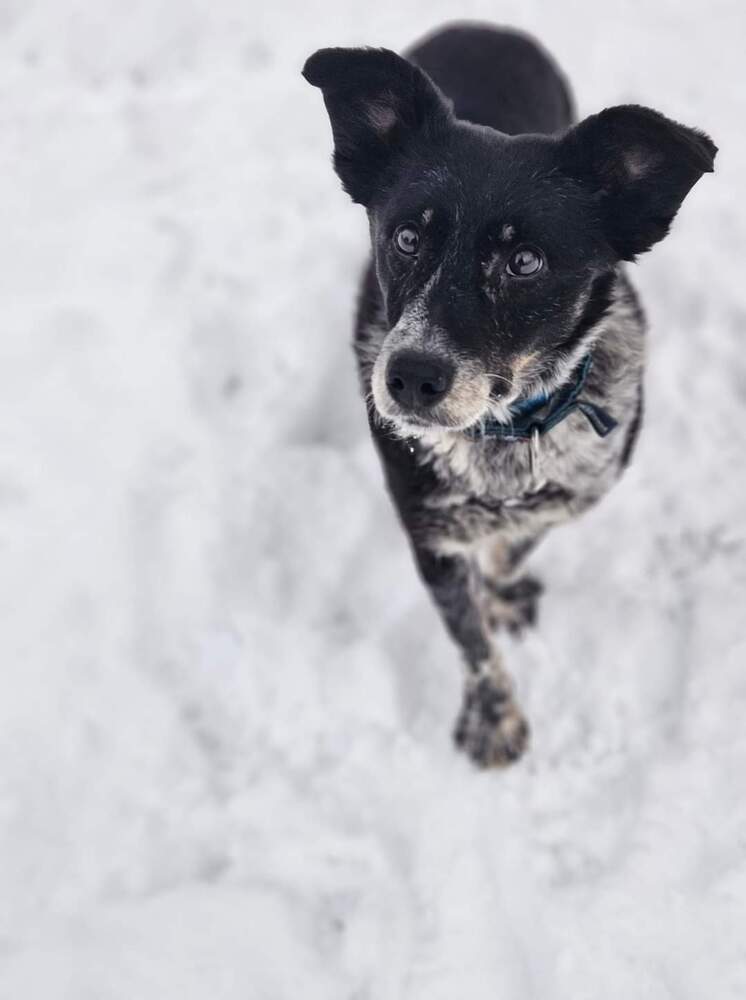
pixel 500 345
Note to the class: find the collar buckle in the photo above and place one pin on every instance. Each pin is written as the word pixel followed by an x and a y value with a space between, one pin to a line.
pixel 534 459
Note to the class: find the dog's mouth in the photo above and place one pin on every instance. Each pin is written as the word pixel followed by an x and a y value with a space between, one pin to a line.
pixel 412 425
pixel 469 414
pixel 418 390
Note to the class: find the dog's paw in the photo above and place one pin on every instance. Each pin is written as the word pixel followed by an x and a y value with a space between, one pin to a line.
pixel 490 727
pixel 513 606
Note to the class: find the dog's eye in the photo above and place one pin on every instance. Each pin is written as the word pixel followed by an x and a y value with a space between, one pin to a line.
pixel 525 262
pixel 407 240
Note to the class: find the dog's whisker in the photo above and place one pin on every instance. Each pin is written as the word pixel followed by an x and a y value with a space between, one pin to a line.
pixel 502 378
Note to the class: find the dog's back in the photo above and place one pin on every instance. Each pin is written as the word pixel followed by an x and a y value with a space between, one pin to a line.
pixel 496 77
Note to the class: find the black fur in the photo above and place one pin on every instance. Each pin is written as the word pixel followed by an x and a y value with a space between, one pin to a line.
pixel 641 166
pixel 600 299
pixel 359 84
pixel 534 96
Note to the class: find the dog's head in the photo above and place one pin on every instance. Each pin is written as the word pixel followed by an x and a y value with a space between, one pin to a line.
pixel 495 255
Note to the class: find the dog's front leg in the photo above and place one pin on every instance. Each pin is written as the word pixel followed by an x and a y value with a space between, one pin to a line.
pixel 490 726
pixel 510 596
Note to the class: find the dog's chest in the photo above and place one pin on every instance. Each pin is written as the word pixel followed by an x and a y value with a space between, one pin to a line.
pixel 501 470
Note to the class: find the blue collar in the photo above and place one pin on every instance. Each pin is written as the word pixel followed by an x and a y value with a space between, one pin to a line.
pixel 539 414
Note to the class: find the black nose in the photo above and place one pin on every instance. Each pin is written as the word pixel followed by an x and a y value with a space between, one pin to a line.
pixel 417 381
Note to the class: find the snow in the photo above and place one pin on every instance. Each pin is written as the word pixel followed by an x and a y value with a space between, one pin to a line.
pixel 225 699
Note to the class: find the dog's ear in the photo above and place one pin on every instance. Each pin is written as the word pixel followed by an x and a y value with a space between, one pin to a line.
pixel 640 166
pixel 377 102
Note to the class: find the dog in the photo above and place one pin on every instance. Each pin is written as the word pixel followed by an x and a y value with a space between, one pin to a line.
pixel 499 342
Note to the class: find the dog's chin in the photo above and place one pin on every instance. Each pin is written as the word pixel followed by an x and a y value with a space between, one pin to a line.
pixel 412 425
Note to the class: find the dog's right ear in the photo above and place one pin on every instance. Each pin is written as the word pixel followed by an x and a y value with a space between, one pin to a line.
pixel 377 102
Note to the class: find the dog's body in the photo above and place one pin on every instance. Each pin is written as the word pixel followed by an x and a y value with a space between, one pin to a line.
pixel 505 271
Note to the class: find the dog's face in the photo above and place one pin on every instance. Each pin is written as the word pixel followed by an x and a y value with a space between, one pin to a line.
pixel 495 254
pixel 490 263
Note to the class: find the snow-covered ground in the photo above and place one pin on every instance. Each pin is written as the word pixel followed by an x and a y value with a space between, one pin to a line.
pixel 225 699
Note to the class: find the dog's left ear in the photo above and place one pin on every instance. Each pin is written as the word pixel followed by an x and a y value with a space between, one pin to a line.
pixel 640 166
pixel 377 103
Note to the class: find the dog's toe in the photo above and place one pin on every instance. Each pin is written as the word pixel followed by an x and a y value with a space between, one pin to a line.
pixel 513 606
pixel 490 727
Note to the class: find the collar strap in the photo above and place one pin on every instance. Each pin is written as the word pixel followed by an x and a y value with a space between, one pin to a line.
pixel 541 413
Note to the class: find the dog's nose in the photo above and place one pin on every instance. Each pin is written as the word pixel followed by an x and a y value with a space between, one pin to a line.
pixel 418 381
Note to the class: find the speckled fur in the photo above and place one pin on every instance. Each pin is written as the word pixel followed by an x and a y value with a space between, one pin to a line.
pixel 498 473
pixel 480 510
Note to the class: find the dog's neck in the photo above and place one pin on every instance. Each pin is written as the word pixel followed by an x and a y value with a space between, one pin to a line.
pixel 538 414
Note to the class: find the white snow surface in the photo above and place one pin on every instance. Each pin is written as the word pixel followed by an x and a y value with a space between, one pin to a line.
pixel 225 698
